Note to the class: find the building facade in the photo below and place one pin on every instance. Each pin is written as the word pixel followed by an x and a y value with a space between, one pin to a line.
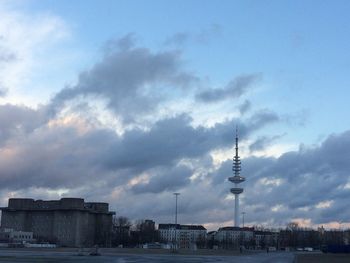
pixel 67 222
pixel 266 238
pixel 183 236
pixel 233 237
pixel 8 235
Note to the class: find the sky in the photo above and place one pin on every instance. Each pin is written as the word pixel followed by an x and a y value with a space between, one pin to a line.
pixel 127 102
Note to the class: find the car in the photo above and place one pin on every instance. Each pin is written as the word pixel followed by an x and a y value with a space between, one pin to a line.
pixel 309 249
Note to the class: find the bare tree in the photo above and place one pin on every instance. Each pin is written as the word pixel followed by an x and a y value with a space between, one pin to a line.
pixel 121 231
pixel 147 231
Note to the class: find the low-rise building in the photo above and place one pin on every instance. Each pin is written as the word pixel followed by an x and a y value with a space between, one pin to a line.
pixel 183 236
pixel 8 235
pixel 234 237
pixel 264 238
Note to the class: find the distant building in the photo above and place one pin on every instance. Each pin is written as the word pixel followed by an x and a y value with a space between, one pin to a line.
pixel 233 237
pixel 8 235
pixel 183 236
pixel 264 238
pixel 66 222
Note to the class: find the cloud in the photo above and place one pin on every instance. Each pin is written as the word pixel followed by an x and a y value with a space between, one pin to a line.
pixel 19 120
pixel 5 55
pixel 211 32
pixel 39 157
pixel 123 43
pixel 304 179
pixel 137 170
pixel 164 179
pixel 245 107
pixel 203 36
pixel 3 92
pixel 178 39
pixel 262 142
pixel 172 139
pixel 25 42
pixel 70 152
pixel 309 183
pixel 234 89
pixel 132 80
pixel 262 117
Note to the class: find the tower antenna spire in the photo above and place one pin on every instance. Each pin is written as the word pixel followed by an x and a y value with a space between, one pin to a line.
pixel 236 157
pixel 236 179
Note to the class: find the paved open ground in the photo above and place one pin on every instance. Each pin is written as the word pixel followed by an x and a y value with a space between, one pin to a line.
pixel 70 256
pixel 148 256
pixel 322 258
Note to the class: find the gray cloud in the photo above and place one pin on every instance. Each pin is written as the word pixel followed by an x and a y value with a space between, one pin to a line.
pixel 297 182
pixel 5 54
pixel 203 36
pixel 307 177
pixel 172 139
pixel 92 164
pixel 262 117
pixel 132 80
pixel 3 92
pixel 211 32
pixel 164 179
pixel 124 43
pixel 60 156
pixel 178 39
pixel 98 164
pixel 18 120
pixel 234 89
pixel 245 107
pixel 262 142
pixel 6 57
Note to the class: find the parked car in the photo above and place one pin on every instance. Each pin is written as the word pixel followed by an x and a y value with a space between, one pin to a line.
pixel 309 249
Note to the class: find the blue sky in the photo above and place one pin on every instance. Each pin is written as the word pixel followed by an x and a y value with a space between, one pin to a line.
pixel 298 46
pixel 291 55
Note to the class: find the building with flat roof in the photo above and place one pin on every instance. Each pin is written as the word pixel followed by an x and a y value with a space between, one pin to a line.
pixel 183 236
pixel 233 237
pixel 67 222
pixel 8 235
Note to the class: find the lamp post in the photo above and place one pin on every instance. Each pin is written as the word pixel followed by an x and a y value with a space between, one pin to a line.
pixel 176 196
pixel 243 213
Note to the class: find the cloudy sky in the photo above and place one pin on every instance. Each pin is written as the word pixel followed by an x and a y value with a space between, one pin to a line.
pixel 130 101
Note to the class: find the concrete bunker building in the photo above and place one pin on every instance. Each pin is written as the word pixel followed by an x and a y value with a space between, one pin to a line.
pixel 67 222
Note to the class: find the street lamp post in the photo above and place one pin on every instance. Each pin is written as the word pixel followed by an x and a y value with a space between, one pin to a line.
pixel 243 213
pixel 176 196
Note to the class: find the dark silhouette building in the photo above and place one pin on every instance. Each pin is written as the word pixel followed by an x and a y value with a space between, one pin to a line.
pixel 66 222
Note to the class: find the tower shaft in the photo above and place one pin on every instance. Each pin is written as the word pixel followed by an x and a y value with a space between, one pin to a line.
pixel 236 223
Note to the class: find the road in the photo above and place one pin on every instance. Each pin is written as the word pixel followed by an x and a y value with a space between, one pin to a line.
pixel 63 257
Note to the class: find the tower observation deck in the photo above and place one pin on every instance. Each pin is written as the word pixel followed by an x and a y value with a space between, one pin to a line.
pixel 236 179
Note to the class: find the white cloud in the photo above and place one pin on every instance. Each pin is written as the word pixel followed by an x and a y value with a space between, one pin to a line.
pixel 324 204
pixel 277 208
pixel 30 48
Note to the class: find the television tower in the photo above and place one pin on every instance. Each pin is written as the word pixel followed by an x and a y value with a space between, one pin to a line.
pixel 236 179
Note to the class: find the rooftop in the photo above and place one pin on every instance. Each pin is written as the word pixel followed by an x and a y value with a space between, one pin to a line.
pixel 181 227
pixel 29 204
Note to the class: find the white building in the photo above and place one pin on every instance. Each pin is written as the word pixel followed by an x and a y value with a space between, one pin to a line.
pixel 183 236
pixel 9 235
